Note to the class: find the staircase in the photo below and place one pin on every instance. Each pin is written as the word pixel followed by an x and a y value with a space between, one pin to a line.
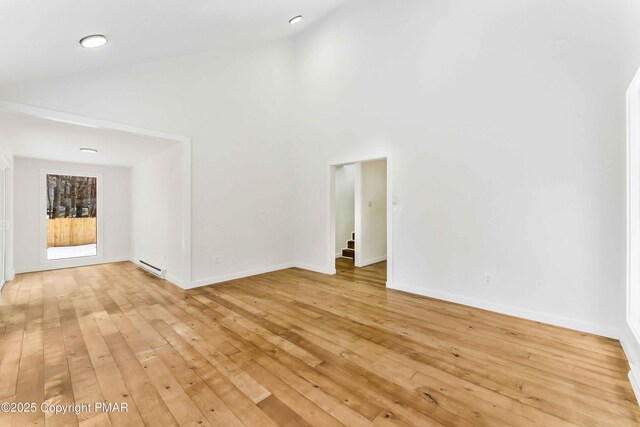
pixel 350 250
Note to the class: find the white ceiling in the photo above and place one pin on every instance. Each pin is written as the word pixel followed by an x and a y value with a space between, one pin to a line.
pixel 39 38
pixel 27 136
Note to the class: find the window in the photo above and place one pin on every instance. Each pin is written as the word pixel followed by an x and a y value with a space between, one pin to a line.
pixel 71 216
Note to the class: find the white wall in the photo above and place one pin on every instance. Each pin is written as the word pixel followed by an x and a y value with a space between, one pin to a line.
pixel 157 186
pixel 233 104
pixel 345 205
pixel 373 211
pixel 116 221
pixel 505 121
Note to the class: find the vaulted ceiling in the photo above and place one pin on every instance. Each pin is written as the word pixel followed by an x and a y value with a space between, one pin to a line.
pixel 39 38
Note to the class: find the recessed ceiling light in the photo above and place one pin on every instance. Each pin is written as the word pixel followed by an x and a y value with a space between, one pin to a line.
pixel 92 41
pixel 89 150
pixel 295 19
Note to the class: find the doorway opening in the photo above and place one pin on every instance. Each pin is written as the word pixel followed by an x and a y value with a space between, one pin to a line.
pixel 633 227
pixel 72 216
pixel 345 211
pixel 4 165
pixel 360 217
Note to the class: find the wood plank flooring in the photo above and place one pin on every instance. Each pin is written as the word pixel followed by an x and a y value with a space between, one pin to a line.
pixel 292 348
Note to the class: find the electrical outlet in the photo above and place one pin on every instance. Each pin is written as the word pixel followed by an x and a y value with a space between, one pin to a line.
pixel 488 280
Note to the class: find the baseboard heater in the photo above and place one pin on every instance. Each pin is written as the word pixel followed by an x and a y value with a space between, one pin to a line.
pixel 161 273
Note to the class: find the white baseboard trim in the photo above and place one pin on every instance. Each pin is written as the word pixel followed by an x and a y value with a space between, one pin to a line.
pixel 631 347
pixel 240 275
pixel 174 280
pixel 62 267
pixel 254 272
pixel 315 268
pixel 634 379
pixel 248 273
pixel 511 311
pixel 373 261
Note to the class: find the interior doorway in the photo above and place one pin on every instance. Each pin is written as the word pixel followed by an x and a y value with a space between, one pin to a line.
pixel 345 211
pixel 3 223
pixel 632 346
pixel 360 214
pixel 633 206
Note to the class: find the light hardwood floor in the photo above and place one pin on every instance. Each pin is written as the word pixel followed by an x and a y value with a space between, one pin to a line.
pixel 293 348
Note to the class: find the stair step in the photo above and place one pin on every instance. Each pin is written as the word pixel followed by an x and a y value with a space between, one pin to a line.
pixel 351 244
pixel 348 253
